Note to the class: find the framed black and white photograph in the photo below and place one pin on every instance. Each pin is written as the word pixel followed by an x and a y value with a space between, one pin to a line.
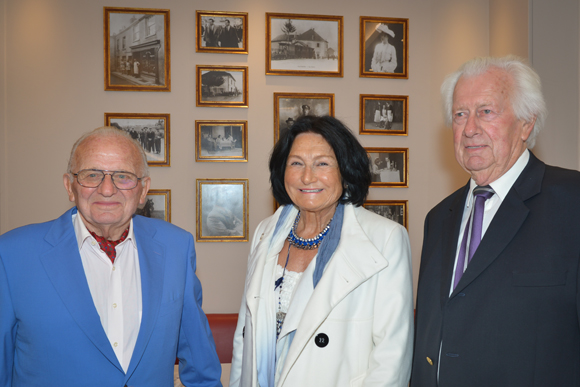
pixel 224 140
pixel 384 47
pixel 288 107
pixel 395 210
pixel 389 167
pixel 304 45
pixel 384 114
pixel 157 205
pixel 222 210
pixel 222 86
pixel 221 32
pixel 149 130
pixel 137 49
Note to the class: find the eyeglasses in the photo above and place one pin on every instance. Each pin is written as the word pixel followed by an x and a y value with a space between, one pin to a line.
pixel 92 178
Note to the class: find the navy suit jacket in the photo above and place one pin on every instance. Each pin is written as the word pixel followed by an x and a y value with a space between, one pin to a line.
pixel 51 333
pixel 513 319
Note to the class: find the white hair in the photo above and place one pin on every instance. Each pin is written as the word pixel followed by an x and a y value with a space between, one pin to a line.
pixel 109 131
pixel 527 99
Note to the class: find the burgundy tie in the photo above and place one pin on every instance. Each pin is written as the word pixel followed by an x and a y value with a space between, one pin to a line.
pixel 481 194
pixel 109 246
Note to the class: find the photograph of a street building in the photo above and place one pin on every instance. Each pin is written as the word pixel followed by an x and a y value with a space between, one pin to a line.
pixel 136 49
pixel 222 86
pixel 304 45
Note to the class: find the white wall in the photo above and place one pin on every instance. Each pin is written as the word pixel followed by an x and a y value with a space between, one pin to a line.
pixel 509 27
pixel 554 53
pixel 52 92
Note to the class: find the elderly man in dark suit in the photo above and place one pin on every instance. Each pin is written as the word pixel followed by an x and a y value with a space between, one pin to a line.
pixel 498 296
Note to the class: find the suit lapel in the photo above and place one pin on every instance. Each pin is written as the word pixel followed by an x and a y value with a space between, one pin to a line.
pixel 152 267
pixel 63 266
pixel 506 222
pixel 452 223
pixel 340 279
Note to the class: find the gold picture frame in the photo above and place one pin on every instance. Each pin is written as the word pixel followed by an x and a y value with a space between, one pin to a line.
pixel 385 115
pixel 222 210
pixel 395 210
pixel 156 199
pixel 221 140
pixel 137 49
pixel 304 45
pixel 151 130
pixel 219 86
pixel 389 167
pixel 384 47
pixel 221 32
pixel 290 106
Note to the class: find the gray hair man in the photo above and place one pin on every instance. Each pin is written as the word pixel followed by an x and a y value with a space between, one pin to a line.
pixel 498 301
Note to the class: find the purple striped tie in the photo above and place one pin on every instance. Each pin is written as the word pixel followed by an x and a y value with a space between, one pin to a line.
pixel 481 195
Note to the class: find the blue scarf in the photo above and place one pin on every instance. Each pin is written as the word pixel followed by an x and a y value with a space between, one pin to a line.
pixel 328 245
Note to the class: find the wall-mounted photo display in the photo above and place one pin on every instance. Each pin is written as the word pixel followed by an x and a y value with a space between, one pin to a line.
pixel 384 47
pixel 150 130
pixel 396 210
pixel 389 167
pixel 157 205
pixel 288 107
pixel 222 86
pixel 384 114
pixel 222 210
pixel 137 49
pixel 304 45
pixel 224 140
pixel 221 32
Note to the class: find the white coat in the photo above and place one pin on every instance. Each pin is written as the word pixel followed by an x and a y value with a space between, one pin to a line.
pixel 363 304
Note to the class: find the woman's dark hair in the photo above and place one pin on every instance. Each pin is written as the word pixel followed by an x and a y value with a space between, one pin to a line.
pixel 353 161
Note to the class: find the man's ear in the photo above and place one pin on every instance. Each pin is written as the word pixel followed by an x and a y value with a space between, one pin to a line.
pixel 67 180
pixel 527 127
pixel 146 181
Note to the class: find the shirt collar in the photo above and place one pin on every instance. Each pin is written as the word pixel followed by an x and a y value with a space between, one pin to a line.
pixel 82 233
pixel 503 185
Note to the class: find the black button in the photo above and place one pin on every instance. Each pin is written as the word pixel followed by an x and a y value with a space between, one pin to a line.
pixel 244 332
pixel 321 340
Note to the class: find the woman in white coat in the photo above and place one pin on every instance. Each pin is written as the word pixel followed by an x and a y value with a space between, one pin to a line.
pixel 328 294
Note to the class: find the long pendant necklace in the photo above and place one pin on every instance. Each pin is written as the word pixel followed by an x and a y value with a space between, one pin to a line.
pixel 279 314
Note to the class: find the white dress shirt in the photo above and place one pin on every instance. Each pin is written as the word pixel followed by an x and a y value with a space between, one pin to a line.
pixel 115 288
pixel 501 187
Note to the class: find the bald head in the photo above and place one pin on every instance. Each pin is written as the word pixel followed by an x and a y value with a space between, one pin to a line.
pixel 104 132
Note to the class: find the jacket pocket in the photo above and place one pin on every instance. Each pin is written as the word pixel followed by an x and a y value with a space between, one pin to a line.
pixel 541 278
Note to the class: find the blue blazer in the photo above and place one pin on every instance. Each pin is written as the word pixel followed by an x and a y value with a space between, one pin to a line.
pixel 50 331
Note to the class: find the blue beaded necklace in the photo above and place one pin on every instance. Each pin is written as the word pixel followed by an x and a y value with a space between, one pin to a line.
pixel 306 244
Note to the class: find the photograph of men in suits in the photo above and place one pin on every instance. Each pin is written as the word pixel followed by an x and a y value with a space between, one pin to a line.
pixel 211 34
pixel 100 296
pixel 505 311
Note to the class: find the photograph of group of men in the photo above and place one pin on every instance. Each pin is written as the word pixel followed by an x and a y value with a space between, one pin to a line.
pixel 222 32
pixel 150 133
